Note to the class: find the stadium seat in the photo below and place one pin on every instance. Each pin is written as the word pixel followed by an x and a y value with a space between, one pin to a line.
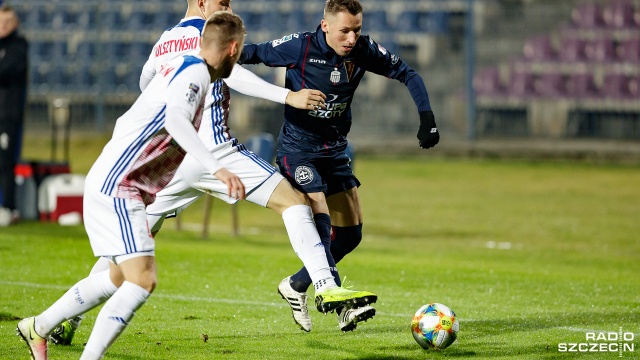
pixel 539 49
pixel 618 14
pixel 582 86
pixel 629 51
pixel 375 20
pixel 572 50
pixel 436 22
pixel 487 83
pixel 521 85
pixel 550 85
pixel 408 21
pixel 616 86
pixel 587 15
pixel 600 50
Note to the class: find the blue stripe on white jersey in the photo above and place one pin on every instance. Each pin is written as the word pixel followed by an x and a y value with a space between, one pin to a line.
pixel 188 61
pixel 257 159
pixel 110 183
pixel 196 23
pixel 217 112
pixel 125 225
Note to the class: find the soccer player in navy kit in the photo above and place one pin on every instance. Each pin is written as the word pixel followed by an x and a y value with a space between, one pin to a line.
pixel 312 142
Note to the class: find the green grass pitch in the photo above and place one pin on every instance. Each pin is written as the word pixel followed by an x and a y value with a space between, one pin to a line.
pixel 528 254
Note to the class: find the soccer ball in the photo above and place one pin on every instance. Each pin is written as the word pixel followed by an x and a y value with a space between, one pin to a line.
pixel 435 326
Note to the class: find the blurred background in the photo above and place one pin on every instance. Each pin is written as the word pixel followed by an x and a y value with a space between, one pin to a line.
pixel 514 72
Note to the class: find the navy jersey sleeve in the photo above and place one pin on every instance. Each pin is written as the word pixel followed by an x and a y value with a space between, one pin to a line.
pixel 379 60
pixel 277 53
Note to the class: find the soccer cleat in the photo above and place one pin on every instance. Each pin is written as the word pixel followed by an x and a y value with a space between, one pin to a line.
pixel 37 344
pixel 63 333
pixel 333 298
pixel 298 303
pixel 348 319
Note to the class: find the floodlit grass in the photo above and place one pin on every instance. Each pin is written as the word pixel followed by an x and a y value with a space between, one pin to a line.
pixel 528 254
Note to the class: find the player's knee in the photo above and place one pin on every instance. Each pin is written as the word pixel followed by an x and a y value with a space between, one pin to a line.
pixel 345 240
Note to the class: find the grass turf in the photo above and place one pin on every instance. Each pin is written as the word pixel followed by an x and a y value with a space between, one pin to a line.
pixel 528 254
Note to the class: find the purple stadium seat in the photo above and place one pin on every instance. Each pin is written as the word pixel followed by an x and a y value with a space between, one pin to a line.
pixel 572 50
pixel 615 86
pixel 619 14
pixel 521 84
pixel 550 85
pixel 587 15
pixel 629 51
pixel 539 49
pixel 601 50
pixel 487 83
pixel 581 85
pixel 634 87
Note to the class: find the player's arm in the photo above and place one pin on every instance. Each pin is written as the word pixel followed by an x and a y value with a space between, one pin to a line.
pixel 248 83
pixel 382 62
pixel 183 101
pixel 148 71
pixel 277 53
pixel 13 64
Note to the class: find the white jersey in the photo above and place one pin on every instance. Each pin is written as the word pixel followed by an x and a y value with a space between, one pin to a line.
pixel 214 131
pixel 141 158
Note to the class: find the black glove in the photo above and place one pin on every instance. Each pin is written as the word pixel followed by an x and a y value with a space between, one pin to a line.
pixel 428 135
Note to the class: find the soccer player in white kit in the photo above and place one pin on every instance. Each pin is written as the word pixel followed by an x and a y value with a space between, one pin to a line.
pixel 264 185
pixel 148 144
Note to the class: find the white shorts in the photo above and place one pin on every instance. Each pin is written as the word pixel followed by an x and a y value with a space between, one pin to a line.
pixel 192 181
pixel 116 226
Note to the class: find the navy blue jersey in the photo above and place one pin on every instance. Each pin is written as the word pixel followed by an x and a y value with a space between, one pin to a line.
pixel 312 64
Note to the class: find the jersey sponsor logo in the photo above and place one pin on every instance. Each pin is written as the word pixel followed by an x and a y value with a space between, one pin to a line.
pixel 179 45
pixel 332 110
pixel 317 61
pixel 190 96
pixel 303 175
pixel 283 40
pixel 382 49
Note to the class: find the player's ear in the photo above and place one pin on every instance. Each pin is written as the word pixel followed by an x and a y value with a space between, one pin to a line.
pixel 324 25
pixel 233 48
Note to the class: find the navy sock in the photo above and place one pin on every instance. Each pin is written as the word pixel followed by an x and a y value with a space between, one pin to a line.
pixel 301 280
pixel 345 240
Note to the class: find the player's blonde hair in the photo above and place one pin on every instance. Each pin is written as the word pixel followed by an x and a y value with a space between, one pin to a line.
pixel 333 7
pixel 221 29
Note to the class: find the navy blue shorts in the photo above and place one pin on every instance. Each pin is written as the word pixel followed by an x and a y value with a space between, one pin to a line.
pixel 310 173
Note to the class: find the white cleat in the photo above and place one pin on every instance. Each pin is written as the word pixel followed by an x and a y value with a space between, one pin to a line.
pixel 298 303
pixel 37 344
pixel 348 319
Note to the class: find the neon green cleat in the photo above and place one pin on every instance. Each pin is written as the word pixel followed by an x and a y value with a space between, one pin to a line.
pixel 63 333
pixel 331 299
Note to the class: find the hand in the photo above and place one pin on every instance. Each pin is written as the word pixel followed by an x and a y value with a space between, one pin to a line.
pixel 428 135
pixel 233 182
pixel 306 99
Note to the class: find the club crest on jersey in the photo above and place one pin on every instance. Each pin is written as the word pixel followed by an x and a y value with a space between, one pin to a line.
pixel 335 76
pixel 303 175
pixel 349 66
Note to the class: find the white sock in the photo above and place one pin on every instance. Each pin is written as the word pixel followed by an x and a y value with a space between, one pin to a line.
pixel 298 220
pixel 114 318
pixel 101 265
pixel 82 297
